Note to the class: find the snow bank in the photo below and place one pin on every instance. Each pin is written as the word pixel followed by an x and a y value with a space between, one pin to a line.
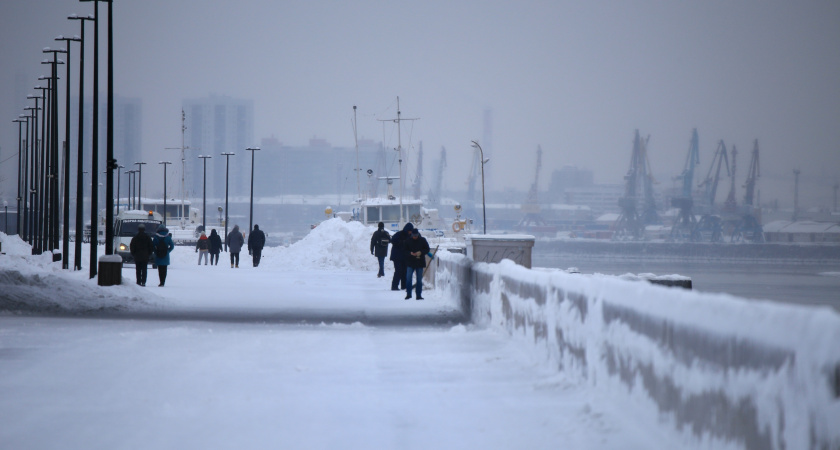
pixel 34 283
pixel 722 370
pixel 333 244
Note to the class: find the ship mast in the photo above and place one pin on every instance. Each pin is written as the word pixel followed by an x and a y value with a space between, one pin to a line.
pixel 399 151
pixel 358 169
pixel 183 149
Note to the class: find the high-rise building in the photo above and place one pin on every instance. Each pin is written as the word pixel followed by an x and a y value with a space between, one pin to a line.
pixel 128 125
pixel 214 125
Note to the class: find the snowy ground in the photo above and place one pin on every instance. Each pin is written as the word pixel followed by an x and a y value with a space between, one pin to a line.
pixel 310 350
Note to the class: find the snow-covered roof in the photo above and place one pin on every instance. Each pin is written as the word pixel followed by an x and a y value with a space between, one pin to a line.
pixel 802 226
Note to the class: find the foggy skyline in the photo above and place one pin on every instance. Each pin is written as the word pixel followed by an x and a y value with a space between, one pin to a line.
pixel 576 79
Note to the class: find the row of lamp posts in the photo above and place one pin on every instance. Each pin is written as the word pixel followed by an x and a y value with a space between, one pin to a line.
pixel 40 153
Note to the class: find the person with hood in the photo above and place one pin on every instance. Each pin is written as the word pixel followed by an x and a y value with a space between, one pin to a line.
pixel 256 242
pixel 398 241
pixel 215 247
pixel 141 249
pixel 234 241
pixel 163 245
pixel 202 246
pixel 416 249
pixel 379 247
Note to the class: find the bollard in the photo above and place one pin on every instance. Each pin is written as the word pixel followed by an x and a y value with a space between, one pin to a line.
pixel 110 270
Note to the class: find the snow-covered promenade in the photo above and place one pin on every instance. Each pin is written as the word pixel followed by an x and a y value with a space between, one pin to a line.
pixel 221 358
pixel 311 350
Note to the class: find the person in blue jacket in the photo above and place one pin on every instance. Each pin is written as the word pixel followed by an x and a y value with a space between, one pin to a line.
pixel 162 261
pixel 398 241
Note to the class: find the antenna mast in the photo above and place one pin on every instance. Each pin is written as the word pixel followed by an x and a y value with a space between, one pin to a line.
pixel 356 139
pixel 399 150
pixel 183 164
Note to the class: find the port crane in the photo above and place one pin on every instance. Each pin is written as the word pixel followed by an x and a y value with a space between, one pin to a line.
pixel 533 221
pixel 685 223
pixel 730 204
pixel 435 194
pixel 710 225
pixel 631 223
pixel 749 228
pixel 710 183
pixel 418 179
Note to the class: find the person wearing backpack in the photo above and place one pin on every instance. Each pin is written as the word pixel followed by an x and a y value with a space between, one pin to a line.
pixel 379 247
pixel 163 245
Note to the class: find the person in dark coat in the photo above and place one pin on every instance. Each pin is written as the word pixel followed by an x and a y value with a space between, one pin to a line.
pixel 141 249
pixel 416 249
pixel 379 247
pixel 398 256
pixel 256 242
pixel 215 247
pixel 234 242
pixel 163 262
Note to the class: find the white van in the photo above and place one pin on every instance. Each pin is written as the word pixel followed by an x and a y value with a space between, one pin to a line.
pixel 126 225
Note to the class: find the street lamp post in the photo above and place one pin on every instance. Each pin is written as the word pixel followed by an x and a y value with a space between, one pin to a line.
pixel 20 120
pixel 109 139
pixel 32 172
pixel 483 204
pixel 40 180
pixel 119 169
pixel 94 170
pixel 28 169
pixel 53 157
pixel 253 151
pixel 80 193
pixel 65 237
pixel 165 163
pixel 227 156
pixel 139 184
pixel 130 186
pixel 204 197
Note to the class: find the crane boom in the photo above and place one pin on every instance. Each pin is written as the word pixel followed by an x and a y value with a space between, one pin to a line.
pixel 711 182
pixel 752 176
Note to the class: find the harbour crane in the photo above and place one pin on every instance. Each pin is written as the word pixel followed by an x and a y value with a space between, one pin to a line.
pixel 752 176
pixel 532 221
pixel 731 205
pixel 710 183
pixel 685 223
pixel 418 179
pixel 631 224
pixel 749 228
pixel 435 194
pixel 710 225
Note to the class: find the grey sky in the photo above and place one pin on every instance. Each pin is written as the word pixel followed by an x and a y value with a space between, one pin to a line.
pixel 576 78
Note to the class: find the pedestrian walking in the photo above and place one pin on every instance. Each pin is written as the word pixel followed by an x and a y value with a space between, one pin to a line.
pixel 256 242
pixel 141 249
pixel 202 247
pixel 234 241
pixel 163 245
pixel 416 249
pixel 379 247
pixel 398 241
pixel 215 247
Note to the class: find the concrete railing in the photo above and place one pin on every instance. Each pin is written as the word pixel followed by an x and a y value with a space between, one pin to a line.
pixel 717 368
